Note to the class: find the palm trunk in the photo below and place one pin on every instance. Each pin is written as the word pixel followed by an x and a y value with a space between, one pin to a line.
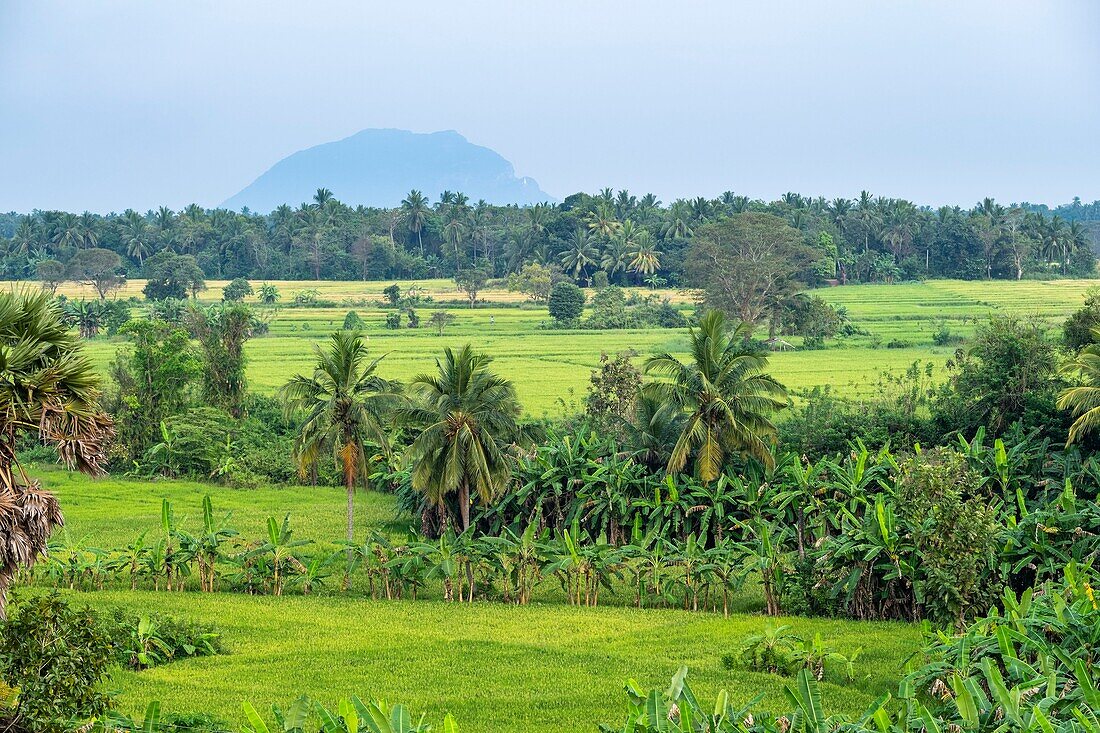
pixel 349 484
pixel 464 505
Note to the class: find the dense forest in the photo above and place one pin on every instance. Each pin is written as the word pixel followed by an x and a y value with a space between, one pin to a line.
pixel 629 238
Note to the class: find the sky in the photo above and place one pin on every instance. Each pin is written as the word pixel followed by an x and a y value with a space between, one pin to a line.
pixel 109 105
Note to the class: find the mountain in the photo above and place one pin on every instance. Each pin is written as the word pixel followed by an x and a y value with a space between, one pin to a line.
pixel 378 167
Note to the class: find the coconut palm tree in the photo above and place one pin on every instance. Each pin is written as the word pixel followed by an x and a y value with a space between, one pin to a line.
pixel 49 393
pixel 1083 401
pixel 416 209
pixel 467 418
pixel 725 394
pixel 645 258
pixel 342 405
pixel 134 233
pixel 579 253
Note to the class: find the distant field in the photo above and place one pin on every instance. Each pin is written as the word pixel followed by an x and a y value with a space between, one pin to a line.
pixel 552 366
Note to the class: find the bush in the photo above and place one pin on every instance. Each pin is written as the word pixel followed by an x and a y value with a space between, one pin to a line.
pixel 56 656
pixel 236 291
pixel 566 303
pixel 352 322
pixel 150 641
pixel 393 321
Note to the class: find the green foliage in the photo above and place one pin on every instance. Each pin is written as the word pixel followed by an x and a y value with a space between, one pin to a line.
pixel 1077 331
pixel 352 322
pixel 140 642
pixel 472 280
pixel 613 392
pixel 236 291
pixel 1008 375
pixel 57 657
pixel 393 321
pixel 566 303
pixel 171 275
pixel 221 332
pixel 98 267
pixel 440 320
pixel 153 381
pixel 392 293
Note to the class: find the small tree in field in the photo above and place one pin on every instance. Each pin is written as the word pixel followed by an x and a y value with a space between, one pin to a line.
pixel 440 320
pixel 566 302
pixel 51 273
pixel 98 268
pixel 236 291
pixel 471 281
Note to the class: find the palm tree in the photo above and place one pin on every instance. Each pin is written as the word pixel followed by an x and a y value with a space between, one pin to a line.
pixel 343 403
pixel 49 393
pixel 133 231
pixel 645 258
pixel 725 393
pixel 467 418
pixel 68 231
pixel 579 254
pixel 415 208
pixel 1083 401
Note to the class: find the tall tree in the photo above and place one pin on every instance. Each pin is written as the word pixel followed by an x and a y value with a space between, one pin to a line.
pixel 342 405
pixel 725 394
pixel 416 209
pixel 49 394
pixel 747 264
pixel 468 418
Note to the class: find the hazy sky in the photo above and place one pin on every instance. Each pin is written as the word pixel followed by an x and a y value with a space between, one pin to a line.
pixel 109 105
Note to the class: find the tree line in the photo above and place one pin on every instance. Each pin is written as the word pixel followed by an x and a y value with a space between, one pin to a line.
pixel 614 235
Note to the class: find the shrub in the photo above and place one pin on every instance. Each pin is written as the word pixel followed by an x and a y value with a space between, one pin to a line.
pixel 393 321
pixel 56 656
pixel 566 303
pixel 150 641
pixel 352 322
pixel 236 291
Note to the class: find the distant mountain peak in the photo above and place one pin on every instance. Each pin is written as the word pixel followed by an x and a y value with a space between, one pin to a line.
pixel 379 166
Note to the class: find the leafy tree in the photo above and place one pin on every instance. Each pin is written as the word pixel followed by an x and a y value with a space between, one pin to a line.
pixel 726 395
pixel 57 657
pixel 49 394
pixel 534 280
pixel 98 268
pixel 613 391
pixel 153 380
pixel 1006 376
pixel 440 320
pixel 415 209
pixel 747 264
pixel 468 419
pixel 221 332
pixel 171 275
pixel 50 273
pixel 341 405
pixel 471 281
pixel 566 302
pixel 236 291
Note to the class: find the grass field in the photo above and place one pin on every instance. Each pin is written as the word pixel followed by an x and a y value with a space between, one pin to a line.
pixel 550 366
pixel 545 667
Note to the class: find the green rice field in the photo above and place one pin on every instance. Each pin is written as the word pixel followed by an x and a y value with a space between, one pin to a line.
pixel 551 368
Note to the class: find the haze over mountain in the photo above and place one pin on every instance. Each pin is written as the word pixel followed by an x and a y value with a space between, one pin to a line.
pixel 378 167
